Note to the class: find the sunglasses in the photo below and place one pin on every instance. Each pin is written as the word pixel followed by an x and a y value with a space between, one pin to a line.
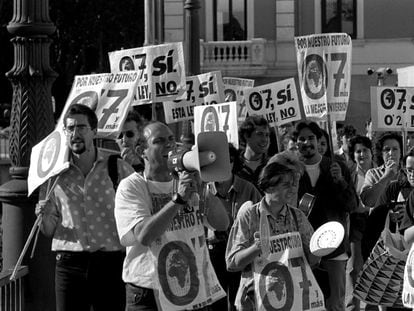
pixel 128 134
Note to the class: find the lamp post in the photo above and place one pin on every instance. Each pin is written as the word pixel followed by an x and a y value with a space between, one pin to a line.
pixel 192 54
pixel 31 120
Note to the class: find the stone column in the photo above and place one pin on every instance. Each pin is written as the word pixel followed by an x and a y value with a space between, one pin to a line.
pixel 31 120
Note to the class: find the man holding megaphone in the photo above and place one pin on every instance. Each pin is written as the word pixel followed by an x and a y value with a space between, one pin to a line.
pixel 163 234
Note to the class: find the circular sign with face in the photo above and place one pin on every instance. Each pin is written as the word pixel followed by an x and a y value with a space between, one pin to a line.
pixel 49 154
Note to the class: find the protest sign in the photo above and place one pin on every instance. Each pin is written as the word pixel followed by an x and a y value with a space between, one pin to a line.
pixel 284 280
pixel 48 158
pixel 392 108
pixel 108 94
pixel 233 91
pixel 220 117
pixel 161 70
pixel 408 284
pixel 277 102
pixel 185 275
pixel 324 65
pixel 203 89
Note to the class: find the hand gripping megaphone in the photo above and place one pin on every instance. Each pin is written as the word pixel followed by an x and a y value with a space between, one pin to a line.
pixel 209 156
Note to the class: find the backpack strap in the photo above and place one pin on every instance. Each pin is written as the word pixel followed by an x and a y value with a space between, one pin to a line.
pixel 113 169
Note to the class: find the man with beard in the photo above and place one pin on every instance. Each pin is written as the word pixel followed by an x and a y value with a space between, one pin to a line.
pixel 254 134
pixel 335 197
pixel 79 216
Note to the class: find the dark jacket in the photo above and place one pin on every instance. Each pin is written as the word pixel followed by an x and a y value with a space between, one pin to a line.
pixel 333 202
pixel 376 219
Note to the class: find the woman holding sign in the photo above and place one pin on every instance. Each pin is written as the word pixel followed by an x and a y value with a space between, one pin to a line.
pixel 269 243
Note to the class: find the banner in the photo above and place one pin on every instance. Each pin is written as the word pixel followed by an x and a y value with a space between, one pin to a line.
pixel 324 66
pixel 233 91
pixel 203 89
pixel 284 280
pixel 392 108
pixel 108 94
pixel 277 102
pixel 186 277
pixel 220 117
pixel 161 70
pixel 408 285
pixel 48 158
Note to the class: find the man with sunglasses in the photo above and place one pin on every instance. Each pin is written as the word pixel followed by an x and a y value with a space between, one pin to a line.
pixel 79 216
pixel 128 141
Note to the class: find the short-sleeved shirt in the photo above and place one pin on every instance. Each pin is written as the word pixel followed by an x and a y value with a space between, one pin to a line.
pixel 137 199
pixel 247 223
pixel 84 208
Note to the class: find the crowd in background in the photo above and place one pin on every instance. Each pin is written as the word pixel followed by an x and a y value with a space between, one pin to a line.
pixel 357 184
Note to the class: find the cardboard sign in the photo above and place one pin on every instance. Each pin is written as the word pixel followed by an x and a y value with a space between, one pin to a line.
pixel 161 70
pixel 185 275
pixel 218 118
pixel 408 287
pixel 48 158
pixel 392 108
pixel 233 91
pixel 277 102
pixel 109 94
pixel 203 89
pixel 284 280
pixel 324 65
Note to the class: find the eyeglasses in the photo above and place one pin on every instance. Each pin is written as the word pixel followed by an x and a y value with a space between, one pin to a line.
pixel 128 134
pixel 81 128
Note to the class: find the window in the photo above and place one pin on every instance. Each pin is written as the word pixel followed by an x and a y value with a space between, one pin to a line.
pixel 230 20
pixel 339 16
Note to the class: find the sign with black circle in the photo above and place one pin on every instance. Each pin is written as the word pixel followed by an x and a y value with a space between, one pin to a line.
pixel 178 274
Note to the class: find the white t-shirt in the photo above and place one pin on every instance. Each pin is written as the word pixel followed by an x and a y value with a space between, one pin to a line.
pixel 313 171
pixel 133 203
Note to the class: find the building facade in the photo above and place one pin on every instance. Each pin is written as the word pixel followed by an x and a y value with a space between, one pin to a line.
pixel 255 39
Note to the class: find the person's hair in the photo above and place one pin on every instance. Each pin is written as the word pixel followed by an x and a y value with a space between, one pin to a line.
pixel 380 144
pixel 142 140
pixel 410 153
pixel 286 158
pixel 272 174
pixel 359 139
pixel 83 110
pixel 286 138
pixel 348 131
pixel 249 125
pixel 134 115
pixel 328 143
pixel 312 126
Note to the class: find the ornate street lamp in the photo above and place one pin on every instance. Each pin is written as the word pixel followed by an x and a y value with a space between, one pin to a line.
pixel 31 120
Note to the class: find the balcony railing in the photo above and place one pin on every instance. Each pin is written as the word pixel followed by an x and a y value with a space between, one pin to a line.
pixel 232 54
pixel 12 292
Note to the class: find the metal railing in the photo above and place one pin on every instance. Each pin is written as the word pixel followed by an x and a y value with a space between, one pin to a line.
pixel 12 292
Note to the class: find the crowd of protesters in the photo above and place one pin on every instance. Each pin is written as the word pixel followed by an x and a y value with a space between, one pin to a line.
pixel 103 231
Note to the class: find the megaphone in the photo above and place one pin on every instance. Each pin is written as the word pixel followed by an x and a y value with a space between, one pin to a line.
pixel 209 156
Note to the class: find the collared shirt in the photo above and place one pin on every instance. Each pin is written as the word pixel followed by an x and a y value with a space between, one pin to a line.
pixel 239 192
pixel 84 208
pixel 245 172
pixel 242 237
pixel 247 223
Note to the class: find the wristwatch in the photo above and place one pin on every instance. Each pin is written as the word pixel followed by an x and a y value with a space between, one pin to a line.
pixel 178 199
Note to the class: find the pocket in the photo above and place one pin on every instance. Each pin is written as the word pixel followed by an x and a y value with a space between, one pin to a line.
pixel 135 294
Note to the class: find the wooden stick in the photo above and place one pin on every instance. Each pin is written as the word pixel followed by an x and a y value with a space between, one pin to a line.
pixel 35 230
pixel 26 246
